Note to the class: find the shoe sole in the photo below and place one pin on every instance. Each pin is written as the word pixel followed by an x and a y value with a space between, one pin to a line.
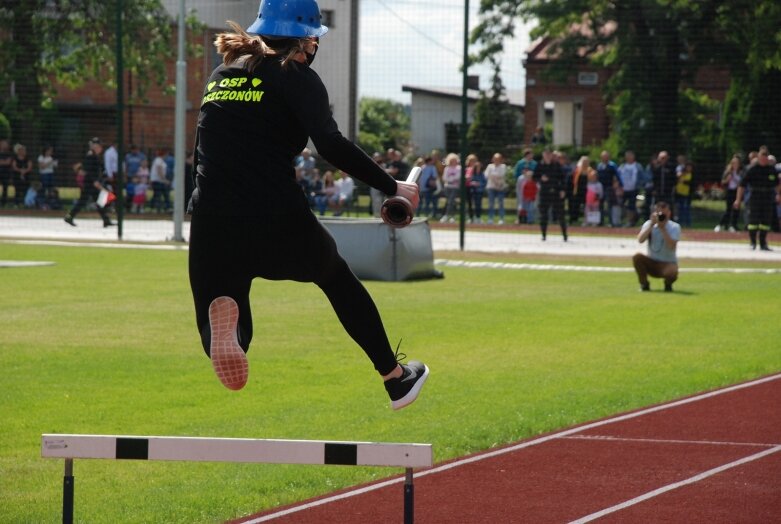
pixel 412 395
pixel 228 359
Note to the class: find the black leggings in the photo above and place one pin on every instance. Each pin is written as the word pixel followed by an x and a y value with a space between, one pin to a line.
pixel 226 253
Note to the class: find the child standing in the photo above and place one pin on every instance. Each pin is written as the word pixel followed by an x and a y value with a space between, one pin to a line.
pixel 594 194
pixel 528 190
pixel 139 194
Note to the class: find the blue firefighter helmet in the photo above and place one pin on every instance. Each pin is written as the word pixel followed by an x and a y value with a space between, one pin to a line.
pixel 288 18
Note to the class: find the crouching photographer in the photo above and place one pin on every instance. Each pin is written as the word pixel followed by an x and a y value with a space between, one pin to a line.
pixel 662 235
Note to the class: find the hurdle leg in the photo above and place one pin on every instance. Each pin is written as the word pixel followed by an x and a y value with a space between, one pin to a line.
pixel 409 498
pixel 67 493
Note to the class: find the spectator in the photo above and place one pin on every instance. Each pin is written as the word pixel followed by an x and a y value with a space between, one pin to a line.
pixel 468 171
pixel 730 181
pixel 133 160
pixel 307 163
pixel 632 177
pixel 608 176
pixel 776 226
pixel 680 165
pixel 664 179
pixel 763 181
pixel 496 184
pixel 451 180
pixel 524 164
pixel 170 164
pixel 550 178
pixel 140 188
pixel 662 235
pixel 343 198
pixel 397 167
pixel 110 163
pixel 5 169
pixel 376 196
pixel 594 192
pixel 578 180
pixel 647 185
pixel 46 166
pixel 92 183
pixel 429 186
pixel 528 190
pixel 160 184
pixel 477 183
pixel 538 137
pixel 683 194
pixel 21 167
pixel 325 194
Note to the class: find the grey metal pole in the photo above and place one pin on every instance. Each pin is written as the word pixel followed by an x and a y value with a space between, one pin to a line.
pixel 181 99
pixel 464 106
pixel 409 498
pixel 119 183
pixel 67 493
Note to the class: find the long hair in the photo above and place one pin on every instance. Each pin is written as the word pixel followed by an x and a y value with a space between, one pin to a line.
pixel 239 45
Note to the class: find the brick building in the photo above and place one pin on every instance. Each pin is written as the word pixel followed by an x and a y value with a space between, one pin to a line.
pixel 576 106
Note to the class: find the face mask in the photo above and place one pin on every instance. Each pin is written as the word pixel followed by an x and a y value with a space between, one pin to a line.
pixel 310 57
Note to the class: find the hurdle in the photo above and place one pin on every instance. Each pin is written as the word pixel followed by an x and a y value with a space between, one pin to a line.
pixel 237 450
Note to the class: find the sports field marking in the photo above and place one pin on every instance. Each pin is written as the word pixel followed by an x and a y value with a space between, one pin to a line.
pixel 594 269
pixel 24 263
pixel 669 441
pixel 534 442
pixel 676 485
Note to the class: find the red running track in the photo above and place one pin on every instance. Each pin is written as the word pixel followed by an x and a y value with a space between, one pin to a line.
pixel 714 457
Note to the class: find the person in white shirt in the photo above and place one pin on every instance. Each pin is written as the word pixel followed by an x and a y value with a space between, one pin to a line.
pixel 661 261
pixel 160 183
pixel 345 186
pixel 629 174
pixel 46 166
pixel 496 186
pixel 111 162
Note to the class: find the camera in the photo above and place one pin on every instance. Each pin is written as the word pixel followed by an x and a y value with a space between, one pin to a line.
pixel 660 216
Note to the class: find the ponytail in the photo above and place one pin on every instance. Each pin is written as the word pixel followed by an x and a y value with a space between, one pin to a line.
pixel 238 44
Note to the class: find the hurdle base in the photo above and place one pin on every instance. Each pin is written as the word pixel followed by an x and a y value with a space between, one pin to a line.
pixel 409 498
pixel 67 493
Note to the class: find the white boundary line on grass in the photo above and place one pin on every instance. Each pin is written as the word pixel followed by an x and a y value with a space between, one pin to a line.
pixel 676 485
pixel 596 269
pixel 510 449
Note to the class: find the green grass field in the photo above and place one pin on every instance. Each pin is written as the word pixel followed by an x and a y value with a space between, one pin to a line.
pixel 105 342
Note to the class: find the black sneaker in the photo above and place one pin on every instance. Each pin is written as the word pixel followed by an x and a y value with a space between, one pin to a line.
pixel 69 219
pixel 404 390
pixel 645 287
pixel 109 224
pixel 668 288
pixel 765 248
pixel 753 247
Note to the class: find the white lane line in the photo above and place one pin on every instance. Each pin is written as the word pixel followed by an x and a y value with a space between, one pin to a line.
pixel 669 441
pixel 510 449
pixel 676 485
pixel 591 269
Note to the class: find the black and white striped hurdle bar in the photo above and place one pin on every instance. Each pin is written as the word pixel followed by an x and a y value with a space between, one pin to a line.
pixel 239 450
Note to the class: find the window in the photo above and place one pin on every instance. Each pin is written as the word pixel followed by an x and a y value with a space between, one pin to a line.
pixel 588 79
pixel 328 17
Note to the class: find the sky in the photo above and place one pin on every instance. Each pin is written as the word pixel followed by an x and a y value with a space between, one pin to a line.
pixel 420 43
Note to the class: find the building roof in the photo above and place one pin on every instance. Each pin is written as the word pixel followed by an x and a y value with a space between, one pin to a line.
pixel 544 48
pixel 516 97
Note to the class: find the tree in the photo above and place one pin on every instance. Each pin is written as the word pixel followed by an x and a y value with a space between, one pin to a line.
pixel 496 124
pixel 382 124
pixel 654 48
pixel 50 43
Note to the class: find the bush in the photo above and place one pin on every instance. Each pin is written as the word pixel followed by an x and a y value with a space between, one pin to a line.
pixel 5 127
